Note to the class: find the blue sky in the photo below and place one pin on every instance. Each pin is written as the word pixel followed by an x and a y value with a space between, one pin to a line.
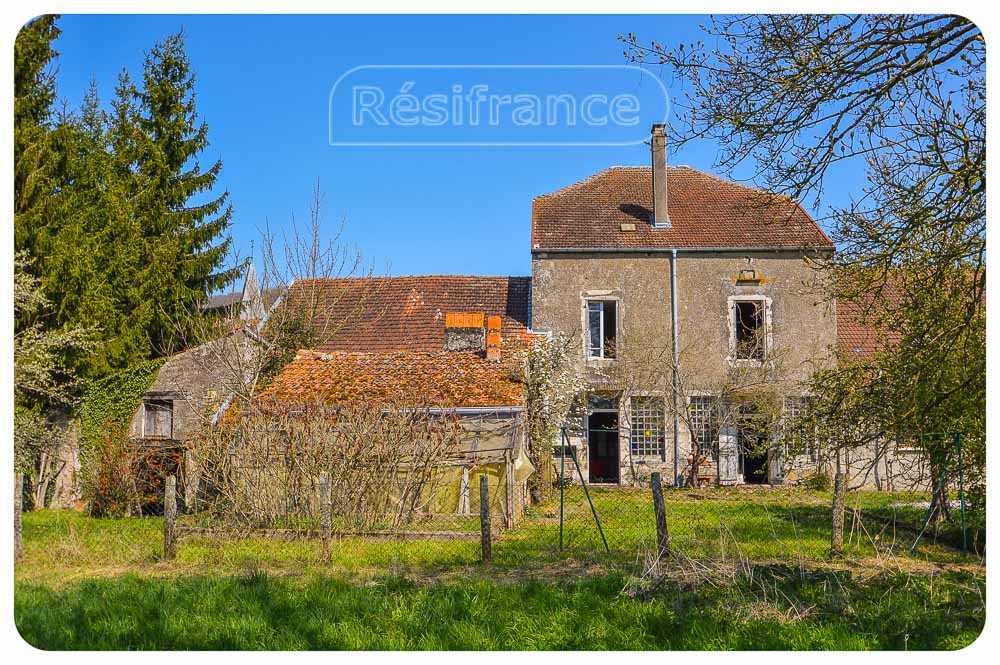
pixel 264 83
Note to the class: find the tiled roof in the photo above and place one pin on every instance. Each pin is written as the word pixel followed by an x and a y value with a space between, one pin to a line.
pixel 704 210
pixel 383 314
pixel 855 339
pixel 858 337
pixel 416 378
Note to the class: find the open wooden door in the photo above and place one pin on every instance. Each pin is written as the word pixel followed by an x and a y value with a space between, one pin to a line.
pixel 729 456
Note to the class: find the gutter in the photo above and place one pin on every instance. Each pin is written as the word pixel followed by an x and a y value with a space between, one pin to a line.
pixel 675 250
pixel 676 358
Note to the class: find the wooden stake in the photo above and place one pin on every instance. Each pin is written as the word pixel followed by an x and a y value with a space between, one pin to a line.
pixel 18 499
pixel 170 519
pixel 662 537
pixel 484 518
pixel 325 516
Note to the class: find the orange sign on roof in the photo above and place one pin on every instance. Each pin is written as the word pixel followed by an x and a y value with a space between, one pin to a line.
pixel 494 323
pixel 464 320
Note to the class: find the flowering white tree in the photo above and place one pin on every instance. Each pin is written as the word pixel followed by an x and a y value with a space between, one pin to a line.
pixel 552 387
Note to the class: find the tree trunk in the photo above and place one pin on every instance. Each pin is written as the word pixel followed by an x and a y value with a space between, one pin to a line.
pixel 839 496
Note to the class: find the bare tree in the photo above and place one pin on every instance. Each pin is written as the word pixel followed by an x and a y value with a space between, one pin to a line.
pixel 248 344
pixel 385 461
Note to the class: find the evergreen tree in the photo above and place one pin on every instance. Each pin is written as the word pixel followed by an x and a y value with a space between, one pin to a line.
pixel 34 96
pixel 94 252
pixel 186 242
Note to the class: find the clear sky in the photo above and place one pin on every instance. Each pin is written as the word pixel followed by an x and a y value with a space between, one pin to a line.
pixel 264 86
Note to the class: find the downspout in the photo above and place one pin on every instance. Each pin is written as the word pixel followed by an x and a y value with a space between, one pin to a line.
pixel 676 372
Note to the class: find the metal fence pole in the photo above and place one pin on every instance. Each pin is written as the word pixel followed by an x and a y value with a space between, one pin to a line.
pixel 484 518
pixel 170 519
pixel 590 501
pixel 662 537
pixel 562 482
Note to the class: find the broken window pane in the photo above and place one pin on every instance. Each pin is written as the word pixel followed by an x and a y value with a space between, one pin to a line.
pixel 749 324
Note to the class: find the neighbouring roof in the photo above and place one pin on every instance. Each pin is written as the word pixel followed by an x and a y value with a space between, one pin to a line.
pixel 704 210
pixel 225 300
pixel 856 340
pixel 416 378
pixel 857 336
pixel 386 314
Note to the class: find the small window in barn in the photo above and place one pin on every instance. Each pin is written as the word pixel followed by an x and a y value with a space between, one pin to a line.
pixel 158 419
pixel 749 327
pixel 602 328
pixel 704 428
pixel 798 433
pixel 559 452
pixel 647 426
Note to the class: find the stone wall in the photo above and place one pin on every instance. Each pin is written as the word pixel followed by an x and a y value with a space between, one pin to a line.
pixel 801 334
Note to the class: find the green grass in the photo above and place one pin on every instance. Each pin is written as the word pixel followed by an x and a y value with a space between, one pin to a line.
pixel 752 571
pixel 256 611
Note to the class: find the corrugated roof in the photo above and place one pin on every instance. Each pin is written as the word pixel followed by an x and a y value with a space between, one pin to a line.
pixel 704 210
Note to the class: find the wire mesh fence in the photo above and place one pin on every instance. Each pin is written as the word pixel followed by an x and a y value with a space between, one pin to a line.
pixel 437 519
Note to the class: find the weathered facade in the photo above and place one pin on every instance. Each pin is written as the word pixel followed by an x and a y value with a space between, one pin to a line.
pixel 723 283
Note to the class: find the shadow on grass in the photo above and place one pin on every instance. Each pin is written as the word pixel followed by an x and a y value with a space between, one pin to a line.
pixel 775 608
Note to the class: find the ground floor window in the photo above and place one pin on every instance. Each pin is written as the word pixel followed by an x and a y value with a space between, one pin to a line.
pixel 704 430
pixel 801 436
pixel 646 425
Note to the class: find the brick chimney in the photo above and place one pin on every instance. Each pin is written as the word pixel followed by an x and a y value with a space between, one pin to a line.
pixel 463 331
pixel 493 339
pixel 658 148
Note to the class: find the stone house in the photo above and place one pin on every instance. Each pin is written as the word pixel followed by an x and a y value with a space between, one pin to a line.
pixel 656 267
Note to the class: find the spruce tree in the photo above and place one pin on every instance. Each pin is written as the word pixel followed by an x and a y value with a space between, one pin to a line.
pixel 185 236
pixel 92 256
pixel 34 96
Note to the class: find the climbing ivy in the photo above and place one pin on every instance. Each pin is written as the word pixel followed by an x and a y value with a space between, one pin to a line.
pixel 109 404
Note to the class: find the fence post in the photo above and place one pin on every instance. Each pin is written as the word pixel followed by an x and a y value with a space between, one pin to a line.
pixel 325 516
pixel 837 518
pixel 18 498
pixel 484 518
pixel 961 491
pixel 170 519
pixel 662 537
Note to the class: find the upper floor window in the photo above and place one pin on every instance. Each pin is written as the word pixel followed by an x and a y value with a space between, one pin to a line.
pixel 602 328
pixel 158 418
pixel 750 331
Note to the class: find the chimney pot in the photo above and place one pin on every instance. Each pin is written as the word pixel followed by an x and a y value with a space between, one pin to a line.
pixel 658 148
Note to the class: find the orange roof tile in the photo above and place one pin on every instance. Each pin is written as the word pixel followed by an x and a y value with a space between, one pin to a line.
pixel 384 314
pixel 439 378
pixel 704 210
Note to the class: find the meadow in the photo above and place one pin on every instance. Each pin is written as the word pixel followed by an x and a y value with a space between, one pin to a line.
pixel 749 569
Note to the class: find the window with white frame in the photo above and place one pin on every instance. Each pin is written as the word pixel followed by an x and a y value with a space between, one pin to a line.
pixel 158 419
pixel 704 429
pixel 749 329
pixel 646 420
pixel 602 328
pixel 801 435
